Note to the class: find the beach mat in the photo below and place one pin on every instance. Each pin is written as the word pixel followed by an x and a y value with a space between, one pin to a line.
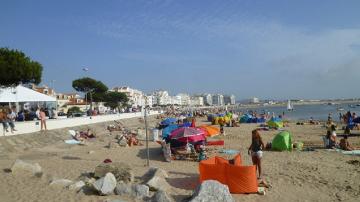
pixel 72 141
pixel 229 151
pixel 354 152
pixel 215 143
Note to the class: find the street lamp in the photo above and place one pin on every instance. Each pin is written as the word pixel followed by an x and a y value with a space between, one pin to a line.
pixel 147 135
pixel 86 104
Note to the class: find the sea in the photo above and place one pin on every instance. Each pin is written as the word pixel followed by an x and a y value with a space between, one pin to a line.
pixel 305 112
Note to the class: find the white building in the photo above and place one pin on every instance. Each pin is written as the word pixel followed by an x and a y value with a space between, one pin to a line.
pixel 229 100
pixel 175 100
pixel 218 100
pixel 207 99
pixel 184 99
pixel 197 101
pixel 162 97
pixel 136 97
pixel 150 100
pixel 254 100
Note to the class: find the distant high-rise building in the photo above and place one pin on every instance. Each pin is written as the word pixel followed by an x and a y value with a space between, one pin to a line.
pixel 218 100
pixel 197 101
pixel 184 99
pixel 162 97
pixel 229 99
pixel 254 100
pixel 207 99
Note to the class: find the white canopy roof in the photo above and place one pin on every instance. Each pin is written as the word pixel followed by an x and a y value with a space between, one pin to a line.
pixel 23 94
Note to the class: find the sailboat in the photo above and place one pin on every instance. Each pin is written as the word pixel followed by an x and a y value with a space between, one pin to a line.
pixel 290 106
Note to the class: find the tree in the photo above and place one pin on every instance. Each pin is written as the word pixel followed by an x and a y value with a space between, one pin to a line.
pixel 116 99
pixel 74 109
pixel 16 68
pixel 89 86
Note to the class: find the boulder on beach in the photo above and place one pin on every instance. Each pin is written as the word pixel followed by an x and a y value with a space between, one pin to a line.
pixel 140 191
pixel 77 185
pixel 22 167
pixel 211 190
pixel 123 189
pixel 162 196
pixel 105 185
pixel 60 183
pixel 121 171
pixel 156 179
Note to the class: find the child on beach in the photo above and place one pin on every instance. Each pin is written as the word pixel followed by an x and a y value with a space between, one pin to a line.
pixel 255 150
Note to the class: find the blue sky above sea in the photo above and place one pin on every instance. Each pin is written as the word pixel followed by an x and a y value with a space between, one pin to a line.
pixel 268 49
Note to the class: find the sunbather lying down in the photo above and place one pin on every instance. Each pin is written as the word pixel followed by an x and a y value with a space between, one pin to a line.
pixel 80 136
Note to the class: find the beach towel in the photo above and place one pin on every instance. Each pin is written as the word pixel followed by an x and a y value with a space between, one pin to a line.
pixel 215 143
pixel 353 152
pixel 72 141
pixel 229 151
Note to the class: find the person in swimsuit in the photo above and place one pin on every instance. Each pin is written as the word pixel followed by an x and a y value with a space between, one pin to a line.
pixel 345 145
pixel 255 150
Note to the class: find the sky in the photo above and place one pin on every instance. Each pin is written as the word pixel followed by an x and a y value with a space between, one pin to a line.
pixel 278 49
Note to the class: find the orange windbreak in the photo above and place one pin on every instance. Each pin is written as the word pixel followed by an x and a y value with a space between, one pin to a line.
pixel 239 179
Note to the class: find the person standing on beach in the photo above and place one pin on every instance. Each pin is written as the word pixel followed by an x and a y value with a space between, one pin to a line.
pixel 3 120
pixel 11 119
pixel 255 150
pixel 42 119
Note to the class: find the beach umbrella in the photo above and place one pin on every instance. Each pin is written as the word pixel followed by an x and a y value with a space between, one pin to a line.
pixel 210 130
pixel 167 130
pixel 188 135
pixel 168 121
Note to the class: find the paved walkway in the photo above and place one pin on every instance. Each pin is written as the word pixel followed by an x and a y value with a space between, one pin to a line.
pixel 23 142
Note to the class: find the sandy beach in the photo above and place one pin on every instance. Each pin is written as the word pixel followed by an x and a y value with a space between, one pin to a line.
pixel 319 175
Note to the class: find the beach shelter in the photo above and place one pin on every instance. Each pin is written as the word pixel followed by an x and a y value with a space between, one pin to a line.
pixel 167 130
pixel 188 135
pixel 275 123
pixel 282 141
pixel 168 121
pixel 210 130
pixel 239 178
pixel 245 118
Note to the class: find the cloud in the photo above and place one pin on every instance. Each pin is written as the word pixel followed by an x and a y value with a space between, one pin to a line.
pixel 264 48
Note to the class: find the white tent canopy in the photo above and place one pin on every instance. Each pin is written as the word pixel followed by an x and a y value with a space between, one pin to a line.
pixel 23 94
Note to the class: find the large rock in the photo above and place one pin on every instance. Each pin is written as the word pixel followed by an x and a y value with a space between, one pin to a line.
pixel 77 186
pixel 121 171
pixel 60 183
pixel 123 189
pixel 162 196
pixel 212 190
pixel 22 167
pixel 157 179
pixel 140 191
pixel 105 185
pixel 137 190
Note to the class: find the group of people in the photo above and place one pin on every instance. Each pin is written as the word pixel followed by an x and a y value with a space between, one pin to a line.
pixel 8 116
pixel 331 140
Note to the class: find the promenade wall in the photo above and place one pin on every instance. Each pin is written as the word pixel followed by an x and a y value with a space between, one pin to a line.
pixel 34 126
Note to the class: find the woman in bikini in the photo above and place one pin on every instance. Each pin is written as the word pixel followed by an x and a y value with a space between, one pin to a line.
pixel 255 150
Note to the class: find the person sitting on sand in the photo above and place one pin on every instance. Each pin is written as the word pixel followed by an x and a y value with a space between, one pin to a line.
pixel 255 150
pixel 331 135
pixel 345 145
